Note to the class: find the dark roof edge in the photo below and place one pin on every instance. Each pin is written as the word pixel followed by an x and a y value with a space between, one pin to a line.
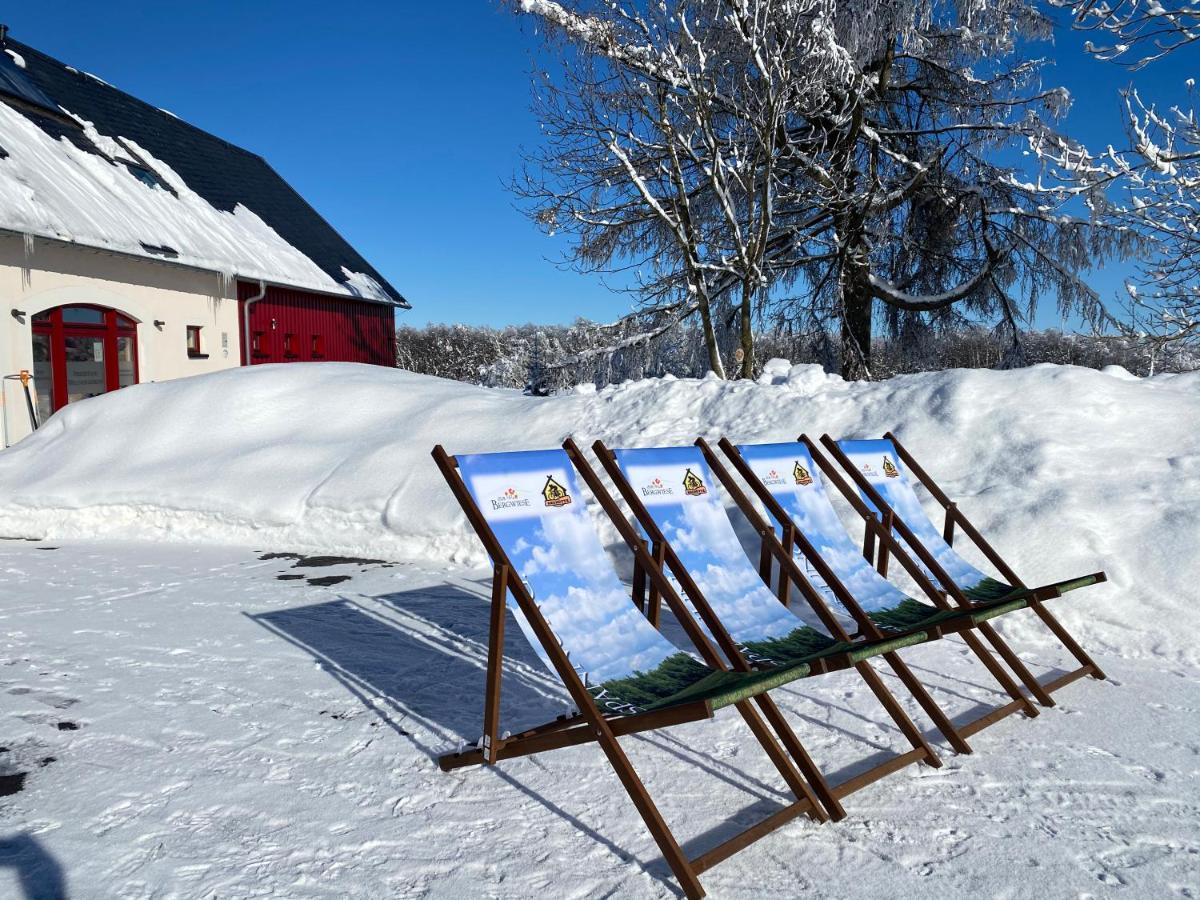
pixel 397 298
pixel 400 303
pixel 376 275
pixel 158 109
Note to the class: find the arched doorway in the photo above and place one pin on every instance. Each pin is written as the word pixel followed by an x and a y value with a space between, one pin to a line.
pixel 81 351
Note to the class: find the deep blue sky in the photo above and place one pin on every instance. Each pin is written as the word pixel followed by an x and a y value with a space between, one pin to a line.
pixel 401 122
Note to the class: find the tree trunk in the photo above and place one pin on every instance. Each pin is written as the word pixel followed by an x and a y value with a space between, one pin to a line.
pixel 747 327
pixel 857 300
pixel 710 335
pixel 856 337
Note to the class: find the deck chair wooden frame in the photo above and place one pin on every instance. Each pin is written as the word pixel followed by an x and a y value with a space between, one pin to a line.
pixel 956 518
pixel 956 735
pixel 1037 596
pixel 921 751
pixel 591 724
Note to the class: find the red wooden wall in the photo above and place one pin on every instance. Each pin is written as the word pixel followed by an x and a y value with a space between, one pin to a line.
pixel 321 328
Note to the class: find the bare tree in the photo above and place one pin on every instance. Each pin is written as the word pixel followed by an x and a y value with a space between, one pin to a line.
pixel 810 163
pixel 664 131
pixel 1155 181
pixel 1163 205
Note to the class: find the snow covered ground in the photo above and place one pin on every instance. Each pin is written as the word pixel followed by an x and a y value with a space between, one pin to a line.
pixel 196 717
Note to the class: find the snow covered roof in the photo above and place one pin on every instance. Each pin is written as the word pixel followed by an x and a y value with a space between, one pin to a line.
pixel 106 170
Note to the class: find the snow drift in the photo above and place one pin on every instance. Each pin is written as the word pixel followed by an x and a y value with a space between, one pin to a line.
pixel 1067 470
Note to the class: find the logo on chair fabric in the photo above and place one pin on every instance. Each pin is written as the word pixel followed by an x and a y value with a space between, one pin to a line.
pixel 655 488
pixel 692 484
pixel 772 478
pixel 554 493
pixel 801 474
pixel 509 499
pixel 889 468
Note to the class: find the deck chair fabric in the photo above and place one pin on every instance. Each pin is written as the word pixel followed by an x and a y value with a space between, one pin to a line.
pixel 788 472
pixel 677 489
pixel 533 505
pixel 621 674
pixel 879 464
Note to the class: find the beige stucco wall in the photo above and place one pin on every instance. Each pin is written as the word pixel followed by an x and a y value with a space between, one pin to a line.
pixel 56 274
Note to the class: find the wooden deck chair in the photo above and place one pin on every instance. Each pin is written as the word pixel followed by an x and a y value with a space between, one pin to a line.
pixel 880 469
pixel 786 478
pixel 675 499
pixel 550 570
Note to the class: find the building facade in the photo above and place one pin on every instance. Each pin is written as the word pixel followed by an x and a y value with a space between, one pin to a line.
pixel 135 247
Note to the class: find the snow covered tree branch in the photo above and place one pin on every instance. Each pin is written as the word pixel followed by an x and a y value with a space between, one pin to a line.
pixel 805 162
pixel 1137 32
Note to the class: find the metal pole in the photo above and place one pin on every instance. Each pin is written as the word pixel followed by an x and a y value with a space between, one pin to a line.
pixel 25 379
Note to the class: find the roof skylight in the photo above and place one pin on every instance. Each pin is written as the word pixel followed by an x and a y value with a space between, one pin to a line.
pixel 16 84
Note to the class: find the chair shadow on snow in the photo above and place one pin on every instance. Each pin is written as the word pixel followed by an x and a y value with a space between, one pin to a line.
pixel 38 873
pixel 418 658
pixel 426 665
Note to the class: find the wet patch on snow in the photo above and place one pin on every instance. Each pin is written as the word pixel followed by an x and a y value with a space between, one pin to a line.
pixel 328 580
pixel 302 561
pixel 306 562
pixel 11 784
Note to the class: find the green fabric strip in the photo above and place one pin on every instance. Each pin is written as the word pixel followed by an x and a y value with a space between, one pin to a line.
pixel 913 614
pixel 1074 583
pixel 876 648
pixel 997 609
pixel 723 689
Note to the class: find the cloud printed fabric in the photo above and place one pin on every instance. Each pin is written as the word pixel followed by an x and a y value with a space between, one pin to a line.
pixel 678 490
pixel 788 472
pixel 533 505
pixel 878 462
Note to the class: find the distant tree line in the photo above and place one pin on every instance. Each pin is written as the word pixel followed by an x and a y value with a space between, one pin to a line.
pixel 587 352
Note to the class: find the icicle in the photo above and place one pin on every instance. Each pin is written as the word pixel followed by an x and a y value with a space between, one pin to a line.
pixel 28 246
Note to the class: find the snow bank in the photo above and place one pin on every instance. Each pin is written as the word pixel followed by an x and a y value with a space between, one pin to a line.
pixel 1067 470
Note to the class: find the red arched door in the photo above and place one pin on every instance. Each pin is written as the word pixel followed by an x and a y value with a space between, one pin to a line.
pixel 79 352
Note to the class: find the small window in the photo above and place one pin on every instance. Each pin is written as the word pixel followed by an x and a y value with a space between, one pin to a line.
pixel 142 174
pixel 258 343
pixel 289 345
pixel 318 346
pixel 193 340
pixel 82 315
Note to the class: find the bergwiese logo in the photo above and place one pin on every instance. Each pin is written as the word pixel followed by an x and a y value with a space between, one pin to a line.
pixel 772 478
pixel 656 488
pixel 509 499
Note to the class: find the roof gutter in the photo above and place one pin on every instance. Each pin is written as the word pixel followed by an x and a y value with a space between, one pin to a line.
pixel 400 303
